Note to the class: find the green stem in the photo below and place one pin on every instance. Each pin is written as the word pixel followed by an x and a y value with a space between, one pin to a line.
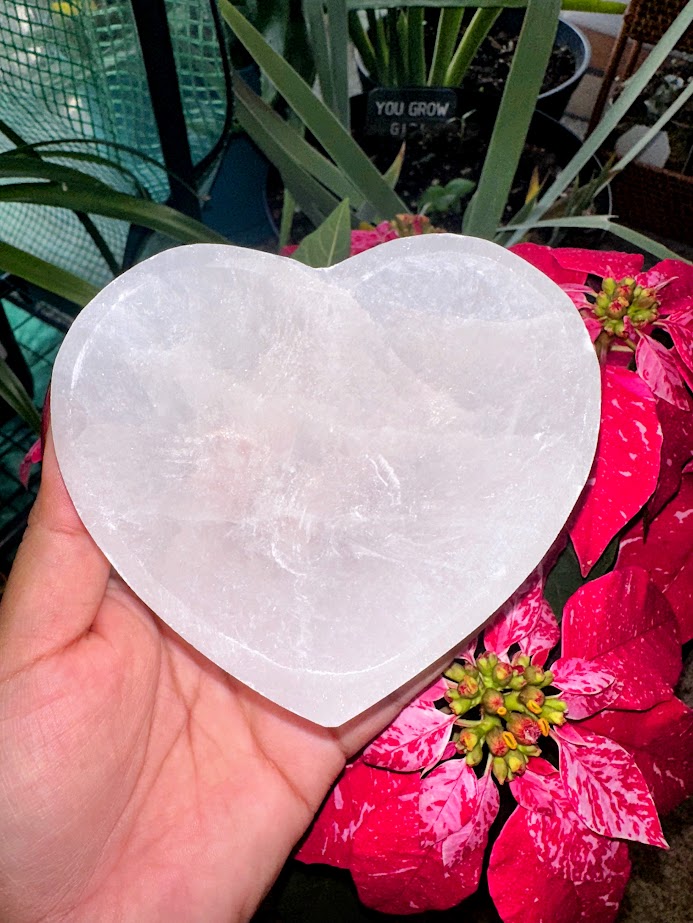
pixel 473 36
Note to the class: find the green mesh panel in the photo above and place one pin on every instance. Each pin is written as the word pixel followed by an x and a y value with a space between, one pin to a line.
pixel 73 69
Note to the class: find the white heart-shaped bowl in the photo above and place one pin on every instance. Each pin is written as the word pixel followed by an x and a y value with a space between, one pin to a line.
pixel 325 480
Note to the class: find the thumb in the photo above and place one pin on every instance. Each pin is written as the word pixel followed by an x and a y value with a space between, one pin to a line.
pixel 58 579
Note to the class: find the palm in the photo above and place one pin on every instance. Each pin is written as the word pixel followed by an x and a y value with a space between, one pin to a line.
pixel 142 783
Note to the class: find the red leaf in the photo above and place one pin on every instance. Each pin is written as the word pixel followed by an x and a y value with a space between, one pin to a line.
pixel 549 868
pixel 573 674
pixel 394 873
pixel 447 801
pixel 677 451
pixel 471 839
pixel 537 789
pixel 357 792
pixel 626 467
pixel 661 742
pixel 607 790
pixel 603 263
pixel 525 619
pixel 667 554
pixel 678 291
pixel 544 258
pixel 435 691
pixel 622 622
pixel 657 367
pixel 415 739
pixel 682 337
pixel 32 457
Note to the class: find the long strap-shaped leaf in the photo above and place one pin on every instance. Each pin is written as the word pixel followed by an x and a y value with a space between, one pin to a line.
pixel 531 57
pixel 315 200
pixel 291 142
pixel 338 27
pixel 46 275
pixel 324 125
pixel 14 392
pixel 112 204
pixel 582 6
pixel 632 89
pixel 604 223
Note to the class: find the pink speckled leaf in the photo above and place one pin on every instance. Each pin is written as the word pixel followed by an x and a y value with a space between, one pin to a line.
pixel 603 263
pixel 471 839
pixel 682 336
pixel 525 619
pixel 32 457
pixel 536 789
pixel 677 451
pixel 415 740
pixel 661 742
pixel 468 651
pixel 358 791
pixel 435 691
pixel 607 790
pixel 586 687
pixel 623 623
pixel 576 876
pixel 667 554
pixel 677 294
pixel 544 258
pixel 394 873
pixel 574 674
pixel 657 367
pixel 626 467
pixel 447 801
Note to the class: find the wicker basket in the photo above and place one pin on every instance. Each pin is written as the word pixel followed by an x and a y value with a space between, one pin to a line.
pixel 659 201
pixel 647 20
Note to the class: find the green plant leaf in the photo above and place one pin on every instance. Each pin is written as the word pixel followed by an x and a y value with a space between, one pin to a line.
pixel 631 90
pixel 338 30
pixel 518 103
pixel 45 275
pixel 600 223
pixel 474 35
pixel 446 36
pixel 391 175
pixel 14 393
pixel 330 243
pixel 584 6
pixel 107 202
pixel 324 125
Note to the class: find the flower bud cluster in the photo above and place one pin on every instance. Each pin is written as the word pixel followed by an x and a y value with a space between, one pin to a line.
pixel 624 306
pixel 515 710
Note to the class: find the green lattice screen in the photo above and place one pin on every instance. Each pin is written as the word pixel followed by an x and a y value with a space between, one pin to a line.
pixel 73 68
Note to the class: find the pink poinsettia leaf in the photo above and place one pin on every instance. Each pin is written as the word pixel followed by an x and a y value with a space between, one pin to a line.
pixel 582 706
pixel 677 451
pixel 415 740
pixel 357 792
pixel 657 367
pixel 626 466
pixel 544 258
pixel 666 551
pixel 447 801
pixel 661 742
pixel 470 840
pixel 435 691
pixel 533 790
pixel 603 263
pixel 682 337
pixel 624 623
pixel 607 790
pixel 576 877
pixel 574 674
pixel 468 651
pixel 677 292
pixel 525 619
pixel 32 457
pixel 394 873
pixel 541 895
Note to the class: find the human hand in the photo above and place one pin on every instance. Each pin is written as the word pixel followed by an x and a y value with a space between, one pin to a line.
pixel 138 781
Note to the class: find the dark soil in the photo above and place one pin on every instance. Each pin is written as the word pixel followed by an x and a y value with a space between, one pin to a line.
pixel 488 72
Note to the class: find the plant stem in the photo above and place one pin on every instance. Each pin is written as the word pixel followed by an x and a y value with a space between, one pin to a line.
pixel 417 54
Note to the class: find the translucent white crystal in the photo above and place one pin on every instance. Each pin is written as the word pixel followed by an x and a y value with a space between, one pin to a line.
pixel 325 480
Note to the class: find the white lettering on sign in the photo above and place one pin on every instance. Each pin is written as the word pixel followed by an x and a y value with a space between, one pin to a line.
pixel 432 109
pixel 390 107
